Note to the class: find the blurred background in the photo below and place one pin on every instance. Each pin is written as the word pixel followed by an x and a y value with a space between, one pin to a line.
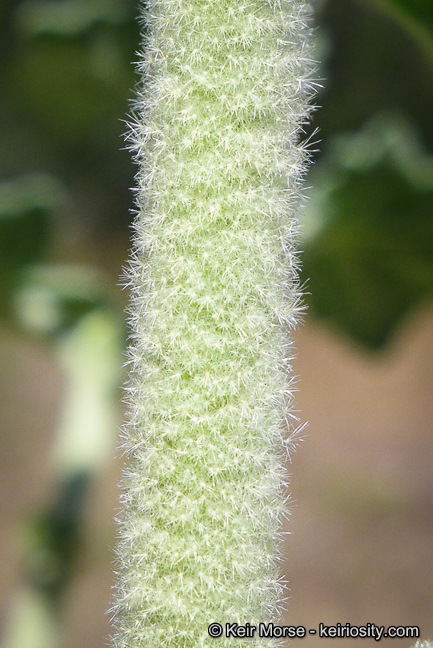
pixel 361 543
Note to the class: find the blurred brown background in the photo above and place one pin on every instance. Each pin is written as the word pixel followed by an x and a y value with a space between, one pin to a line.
pixel 361 543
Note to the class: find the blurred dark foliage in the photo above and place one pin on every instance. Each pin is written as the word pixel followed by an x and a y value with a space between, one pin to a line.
pixel 55 535
pixel 369 256
pixel 65 80
pixel 370 252
pixel 379 58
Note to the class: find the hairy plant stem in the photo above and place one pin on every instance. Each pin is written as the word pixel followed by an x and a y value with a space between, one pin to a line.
pixel 214 296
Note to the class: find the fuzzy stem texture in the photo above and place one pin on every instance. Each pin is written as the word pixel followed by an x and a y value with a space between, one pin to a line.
pixel 214 296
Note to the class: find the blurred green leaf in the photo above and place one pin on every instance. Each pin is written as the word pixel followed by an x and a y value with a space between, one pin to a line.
pixel 369 231
pixel 75 94
pixel 52 299
pixel 420 10
pixel 379 59
pixel 52 539
pixel 26 205
pixel 65 81
pixel 69 17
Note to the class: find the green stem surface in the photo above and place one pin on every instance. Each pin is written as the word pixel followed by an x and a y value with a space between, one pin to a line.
pixel 214 294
